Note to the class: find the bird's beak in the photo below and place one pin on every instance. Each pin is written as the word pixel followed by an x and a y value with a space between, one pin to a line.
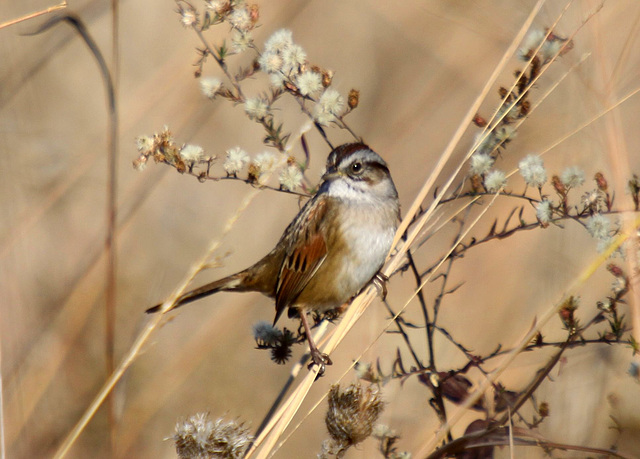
pixel 331 173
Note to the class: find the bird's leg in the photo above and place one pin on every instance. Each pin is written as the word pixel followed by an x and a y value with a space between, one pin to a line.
pixel 380 281
pixel 317 357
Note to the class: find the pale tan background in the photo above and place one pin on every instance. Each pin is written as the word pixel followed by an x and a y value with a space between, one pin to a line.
pixel 419 66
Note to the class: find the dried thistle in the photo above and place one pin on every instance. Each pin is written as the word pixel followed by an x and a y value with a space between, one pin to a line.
pixel 199 437
pixel 351 416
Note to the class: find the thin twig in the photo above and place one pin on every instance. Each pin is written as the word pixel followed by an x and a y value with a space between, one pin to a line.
pixel 26 17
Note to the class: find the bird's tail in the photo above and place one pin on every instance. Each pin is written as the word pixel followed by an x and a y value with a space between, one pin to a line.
pixel 231 283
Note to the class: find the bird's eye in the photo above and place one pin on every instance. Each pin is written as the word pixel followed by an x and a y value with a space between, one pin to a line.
pixel 356 168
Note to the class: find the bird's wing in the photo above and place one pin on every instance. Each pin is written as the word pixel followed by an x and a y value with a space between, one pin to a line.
pixel 306 251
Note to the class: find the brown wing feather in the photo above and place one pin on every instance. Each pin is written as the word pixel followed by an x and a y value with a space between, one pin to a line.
pixel 307 250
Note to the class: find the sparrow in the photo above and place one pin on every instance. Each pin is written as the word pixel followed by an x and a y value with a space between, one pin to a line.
pixel 333 248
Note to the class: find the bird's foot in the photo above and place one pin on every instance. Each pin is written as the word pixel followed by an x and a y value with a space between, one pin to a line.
pixel 320 359
pixel 380 281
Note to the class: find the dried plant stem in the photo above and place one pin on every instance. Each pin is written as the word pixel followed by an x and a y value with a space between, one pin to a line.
pixel 355 310
pixel 284 416
pixel 169 380
pixel 111 211
pixel 619 158
pixel 586 273
pixel 3 451
pixel 143 337
pixel 489 127
pixel 36 14
pixel 446 155
pixel 351 317
pixel 112 218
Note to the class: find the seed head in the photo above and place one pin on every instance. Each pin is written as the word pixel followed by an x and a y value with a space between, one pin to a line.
pixel 198 437
pixel 352 414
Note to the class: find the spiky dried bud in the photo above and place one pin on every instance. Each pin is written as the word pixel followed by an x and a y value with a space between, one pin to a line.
pixel 266 334
pixel 352 414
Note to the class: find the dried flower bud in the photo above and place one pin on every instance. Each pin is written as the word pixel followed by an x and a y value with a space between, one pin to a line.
pixel 572 177
pixel 197 436
pixel 538 340
pixel 353 99
pixel 544 212
pixel 615 270
pixel 191 153
pixel 533 171
pixel 567 312
pixel 558 186
pixel 188 15
pixel 601 182
pixel 599 227
pixel 254 14
pixel 352 414
pixel 309 82
pixel 256 108
pixel 236 160
pixel 290 177
pixel 253 173
pixel 479 121
pixel 140 163
pixel 476 183
pixel 495 181
pixel 543 409
pixel 210 86
pixel 240 18
pixel 480 163
pixel 328 107
pixel 266 334
pixel 327 78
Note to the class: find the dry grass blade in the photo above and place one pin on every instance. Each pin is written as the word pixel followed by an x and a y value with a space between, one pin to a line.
pixel 274 430
pixel 446 155
pixel 355 311
pixel 285 415
pixel 33 15
pixel 143 337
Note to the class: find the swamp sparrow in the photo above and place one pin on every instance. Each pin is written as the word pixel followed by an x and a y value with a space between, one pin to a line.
pixel 333 248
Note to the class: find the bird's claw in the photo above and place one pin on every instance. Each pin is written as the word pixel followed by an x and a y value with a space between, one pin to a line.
pixel 380 281
pixel 319 359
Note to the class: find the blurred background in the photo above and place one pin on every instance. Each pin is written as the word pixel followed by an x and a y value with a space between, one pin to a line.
pixel 419 66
